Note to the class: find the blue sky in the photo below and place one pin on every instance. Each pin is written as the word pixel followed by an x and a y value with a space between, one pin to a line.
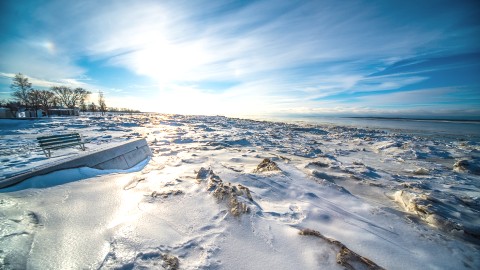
pixel 245 58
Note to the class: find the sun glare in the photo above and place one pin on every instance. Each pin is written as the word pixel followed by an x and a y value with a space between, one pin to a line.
pixel 167 62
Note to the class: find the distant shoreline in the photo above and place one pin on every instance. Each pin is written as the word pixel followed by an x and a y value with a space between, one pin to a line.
pixel 411 119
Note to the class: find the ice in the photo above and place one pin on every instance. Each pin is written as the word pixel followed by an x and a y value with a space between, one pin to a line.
pixel 467 166
pixel 227 193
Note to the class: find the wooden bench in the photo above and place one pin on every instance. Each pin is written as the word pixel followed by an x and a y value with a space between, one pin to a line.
pixel 53 142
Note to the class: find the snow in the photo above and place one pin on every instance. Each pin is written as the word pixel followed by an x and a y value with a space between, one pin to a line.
pixel 224 193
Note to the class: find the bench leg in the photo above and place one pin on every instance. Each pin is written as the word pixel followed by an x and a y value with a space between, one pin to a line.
pixel 47 153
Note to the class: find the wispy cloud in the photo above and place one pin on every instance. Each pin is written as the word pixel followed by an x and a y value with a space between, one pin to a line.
pixel 447 97
pixel 24 56
pixel 38 82
pixel 266 55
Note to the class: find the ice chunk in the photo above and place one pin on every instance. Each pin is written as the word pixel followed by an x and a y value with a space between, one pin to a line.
pixel 421 171
pixel 467 166
pixel 446 213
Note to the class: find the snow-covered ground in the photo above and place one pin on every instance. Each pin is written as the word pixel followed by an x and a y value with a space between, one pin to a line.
pixel 223 193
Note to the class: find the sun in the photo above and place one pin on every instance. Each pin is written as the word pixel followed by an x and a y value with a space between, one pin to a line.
pixel 167 62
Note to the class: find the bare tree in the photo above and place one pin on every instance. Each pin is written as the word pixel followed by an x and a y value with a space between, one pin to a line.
pixel 68 97
pixel 63 95
pixel 21 87
pixel 79 94
pixel 47 100
pixel 56 101
pixel 13 106
pixel 92 107
pixel 34 99
pixel 83 105
pixel 102 106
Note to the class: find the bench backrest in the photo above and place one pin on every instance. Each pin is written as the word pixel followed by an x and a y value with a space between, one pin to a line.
pixel 55 140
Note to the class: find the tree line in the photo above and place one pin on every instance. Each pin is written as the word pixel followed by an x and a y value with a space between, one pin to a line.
pixel 24 96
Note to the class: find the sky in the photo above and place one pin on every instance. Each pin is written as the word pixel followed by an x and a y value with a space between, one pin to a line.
pixel 247 58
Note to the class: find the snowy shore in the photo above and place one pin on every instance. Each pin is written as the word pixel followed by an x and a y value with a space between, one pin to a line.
pixel 223 193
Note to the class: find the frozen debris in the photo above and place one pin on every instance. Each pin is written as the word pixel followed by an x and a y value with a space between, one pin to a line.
pixel 310 129
pixel 358 163
pixel 375 184
pixel 307 231
pixel 32 219
pixel 308 152
pixel 325 176
pixel 237 208
pixel 386 145
pixel 166 194
pixel 203 173
pixel 244 191
pixel 239 142
pixel 427 208
pixel 323 162
pixel 421 171
pixel 230 193
pixel 235 195
pixel 285 159
pixel 345 257
pixel 331 184
pixel 318 163
pixel 29 218
pixel 235 169
pixel 266 166
pixel 352 261
pixel 473 203
pixel 467 166
pixel 415 185
pixel 170 262
pixel 146 259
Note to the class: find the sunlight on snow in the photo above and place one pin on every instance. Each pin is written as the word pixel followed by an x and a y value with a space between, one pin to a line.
pixel 128 211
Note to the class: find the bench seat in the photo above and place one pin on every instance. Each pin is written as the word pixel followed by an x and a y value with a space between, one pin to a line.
pixel 48 143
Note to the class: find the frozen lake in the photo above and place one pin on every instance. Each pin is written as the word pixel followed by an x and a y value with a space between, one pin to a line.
pixel 227 193
pixel 446 129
